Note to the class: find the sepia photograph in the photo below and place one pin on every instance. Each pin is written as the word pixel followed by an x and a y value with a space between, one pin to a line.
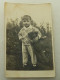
pixel 29 45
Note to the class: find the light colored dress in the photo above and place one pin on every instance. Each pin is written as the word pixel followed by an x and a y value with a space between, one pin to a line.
pixel 26 45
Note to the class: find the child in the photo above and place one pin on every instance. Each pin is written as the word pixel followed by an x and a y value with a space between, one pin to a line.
pixel 26 41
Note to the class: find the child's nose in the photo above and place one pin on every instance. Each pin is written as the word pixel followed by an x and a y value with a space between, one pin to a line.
pixel 26 22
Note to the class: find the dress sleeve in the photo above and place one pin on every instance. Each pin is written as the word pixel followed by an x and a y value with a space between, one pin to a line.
pixel 20 35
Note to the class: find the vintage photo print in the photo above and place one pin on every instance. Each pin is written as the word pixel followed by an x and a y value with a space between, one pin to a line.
pixel 29 49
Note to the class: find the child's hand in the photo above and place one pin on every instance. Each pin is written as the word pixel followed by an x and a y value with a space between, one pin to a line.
pixel 31 41
pixel 44 37
pixel 21 38
pixel 36 38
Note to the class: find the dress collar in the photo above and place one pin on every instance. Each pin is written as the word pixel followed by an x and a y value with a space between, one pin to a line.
pixel 28 27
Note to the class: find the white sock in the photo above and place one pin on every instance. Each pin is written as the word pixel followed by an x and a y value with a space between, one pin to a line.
pixel 24 65
pixel 34 65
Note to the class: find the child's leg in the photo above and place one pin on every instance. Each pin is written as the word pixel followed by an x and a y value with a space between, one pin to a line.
pixel 33 56
pixel 24 55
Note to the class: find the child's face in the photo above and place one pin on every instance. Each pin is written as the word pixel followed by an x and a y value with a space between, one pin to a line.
pixel 26 22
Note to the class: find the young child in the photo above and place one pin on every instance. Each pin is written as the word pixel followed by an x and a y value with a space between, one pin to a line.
pixel 26 41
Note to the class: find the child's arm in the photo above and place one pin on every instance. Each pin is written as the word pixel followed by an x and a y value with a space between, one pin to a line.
pixel 39 34
pixel 20 35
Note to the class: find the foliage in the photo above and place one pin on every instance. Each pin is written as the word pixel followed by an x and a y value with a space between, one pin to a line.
pixel 42 48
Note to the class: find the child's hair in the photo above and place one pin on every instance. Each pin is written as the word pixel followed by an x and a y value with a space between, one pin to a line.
pixel 26 17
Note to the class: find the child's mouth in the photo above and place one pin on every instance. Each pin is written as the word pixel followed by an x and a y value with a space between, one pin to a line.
pixel 26 25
